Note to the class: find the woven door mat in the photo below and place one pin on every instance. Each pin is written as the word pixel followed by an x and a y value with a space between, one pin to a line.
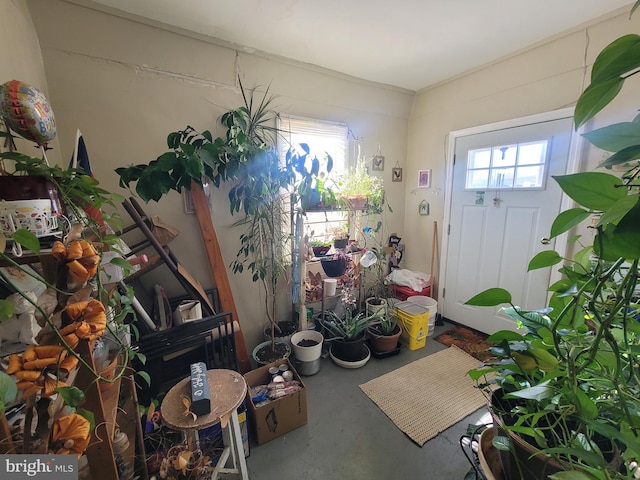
pixel 429 395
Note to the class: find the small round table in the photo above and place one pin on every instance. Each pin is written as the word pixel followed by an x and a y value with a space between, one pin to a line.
pixel 227 391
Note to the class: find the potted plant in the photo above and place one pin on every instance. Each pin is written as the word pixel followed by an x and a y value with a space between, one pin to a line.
pixel 358 190
pixel 335 265
pixel 73 319
pixel 261 187
pixel 385 333
pixel 346 330
pixel 341 236
pixel 312 190
pixel 570 390
pixel 319 247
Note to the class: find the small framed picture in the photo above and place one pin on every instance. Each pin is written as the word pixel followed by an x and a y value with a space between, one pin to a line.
pixel 377 163
pixel 423 208
pixel 396 174
pixel 424 178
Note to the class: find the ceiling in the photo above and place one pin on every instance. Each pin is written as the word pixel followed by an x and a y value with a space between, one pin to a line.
pixel 410 44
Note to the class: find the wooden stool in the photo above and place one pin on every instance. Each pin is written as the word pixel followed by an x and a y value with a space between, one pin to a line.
pixel 228 389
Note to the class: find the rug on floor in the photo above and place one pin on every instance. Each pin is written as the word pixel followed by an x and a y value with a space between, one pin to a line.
pixel 471 342
pixel 429 395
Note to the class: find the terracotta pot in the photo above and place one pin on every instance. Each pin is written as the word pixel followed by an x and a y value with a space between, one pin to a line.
pixel 522 462
pixel 356 202
pixel 489 456
pixel 383 343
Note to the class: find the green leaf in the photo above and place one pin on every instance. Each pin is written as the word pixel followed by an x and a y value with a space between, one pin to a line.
pixel 72 396
pixel 586 407
pixel 595 97
pixel 625 155
pixel 490 298
pixel 6 309
pixel 621 208
pixel 615 137
pixel 501 443
pixel 593 190
pixel 507 335
pixel 27 240
pixel 87 414
pixel 617 59
pixel 568 219
pixel 8 390
pixel 624 240
pixel 537 392
pixel 544 259
pixel 145 376
pixel 571 475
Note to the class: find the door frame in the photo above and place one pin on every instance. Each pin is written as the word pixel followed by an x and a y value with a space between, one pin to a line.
pixel 573 163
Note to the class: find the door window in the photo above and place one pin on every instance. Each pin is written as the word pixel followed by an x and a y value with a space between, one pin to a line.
pixel 508 167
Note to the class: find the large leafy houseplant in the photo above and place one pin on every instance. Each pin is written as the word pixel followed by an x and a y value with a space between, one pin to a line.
pixel 261 186
pixel 574 376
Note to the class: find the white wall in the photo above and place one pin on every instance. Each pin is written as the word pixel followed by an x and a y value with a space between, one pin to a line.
pixel 21 59
pixel 548 77
pixel 126 85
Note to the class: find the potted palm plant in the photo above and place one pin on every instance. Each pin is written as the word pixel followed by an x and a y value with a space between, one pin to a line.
pixel 569 385
pixel 247 159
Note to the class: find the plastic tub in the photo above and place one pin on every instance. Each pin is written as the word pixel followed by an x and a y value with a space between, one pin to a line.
pixel 429 303
pixel 414 320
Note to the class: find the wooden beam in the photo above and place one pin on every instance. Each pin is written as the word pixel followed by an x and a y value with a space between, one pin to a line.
pixel 218 269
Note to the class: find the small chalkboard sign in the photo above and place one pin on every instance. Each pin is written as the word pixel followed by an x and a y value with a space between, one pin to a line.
pixel 200 395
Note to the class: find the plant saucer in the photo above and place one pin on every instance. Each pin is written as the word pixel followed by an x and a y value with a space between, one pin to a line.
pixel 366 354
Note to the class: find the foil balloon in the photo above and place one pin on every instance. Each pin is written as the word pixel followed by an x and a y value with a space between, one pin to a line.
pixel 27 112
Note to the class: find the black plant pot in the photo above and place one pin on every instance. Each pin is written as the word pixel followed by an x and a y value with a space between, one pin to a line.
pixel 349 350
pixel 340 243
pixel 334 267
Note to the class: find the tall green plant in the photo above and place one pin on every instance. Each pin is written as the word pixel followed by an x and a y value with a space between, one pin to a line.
pixel 261 186
pixel 576 369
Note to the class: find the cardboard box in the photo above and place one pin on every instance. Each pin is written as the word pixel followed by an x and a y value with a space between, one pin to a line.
pixel 278 416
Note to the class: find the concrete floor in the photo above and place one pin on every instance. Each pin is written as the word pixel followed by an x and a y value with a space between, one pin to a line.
pixel 347 437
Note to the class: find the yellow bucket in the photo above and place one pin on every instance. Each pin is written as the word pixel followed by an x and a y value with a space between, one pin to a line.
pixel 414 321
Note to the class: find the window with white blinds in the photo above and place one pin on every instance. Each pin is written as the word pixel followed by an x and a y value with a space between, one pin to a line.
pixel 323 138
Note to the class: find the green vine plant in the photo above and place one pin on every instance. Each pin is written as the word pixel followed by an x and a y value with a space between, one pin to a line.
pixel 83 201
pixel 573 376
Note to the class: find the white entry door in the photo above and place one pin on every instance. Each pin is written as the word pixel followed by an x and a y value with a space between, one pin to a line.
pixel 503 203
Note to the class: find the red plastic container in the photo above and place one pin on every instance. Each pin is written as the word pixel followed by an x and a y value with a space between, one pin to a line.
pixel 402 293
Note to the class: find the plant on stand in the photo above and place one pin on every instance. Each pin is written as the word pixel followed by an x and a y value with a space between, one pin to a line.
pixel 570 385
pixel 66 323
pixel 357 190
pixel 346 330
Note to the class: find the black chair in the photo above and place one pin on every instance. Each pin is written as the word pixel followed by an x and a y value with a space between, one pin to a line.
pixel 169 353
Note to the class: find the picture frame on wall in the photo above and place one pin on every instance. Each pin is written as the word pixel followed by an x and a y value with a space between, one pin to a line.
pixel 424 178
pixel 377 163
pixel 396 174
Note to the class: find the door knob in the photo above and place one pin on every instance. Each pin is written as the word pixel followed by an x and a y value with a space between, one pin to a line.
pixel 545 241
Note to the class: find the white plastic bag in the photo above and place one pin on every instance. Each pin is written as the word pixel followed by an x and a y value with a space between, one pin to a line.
pixel 416 280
